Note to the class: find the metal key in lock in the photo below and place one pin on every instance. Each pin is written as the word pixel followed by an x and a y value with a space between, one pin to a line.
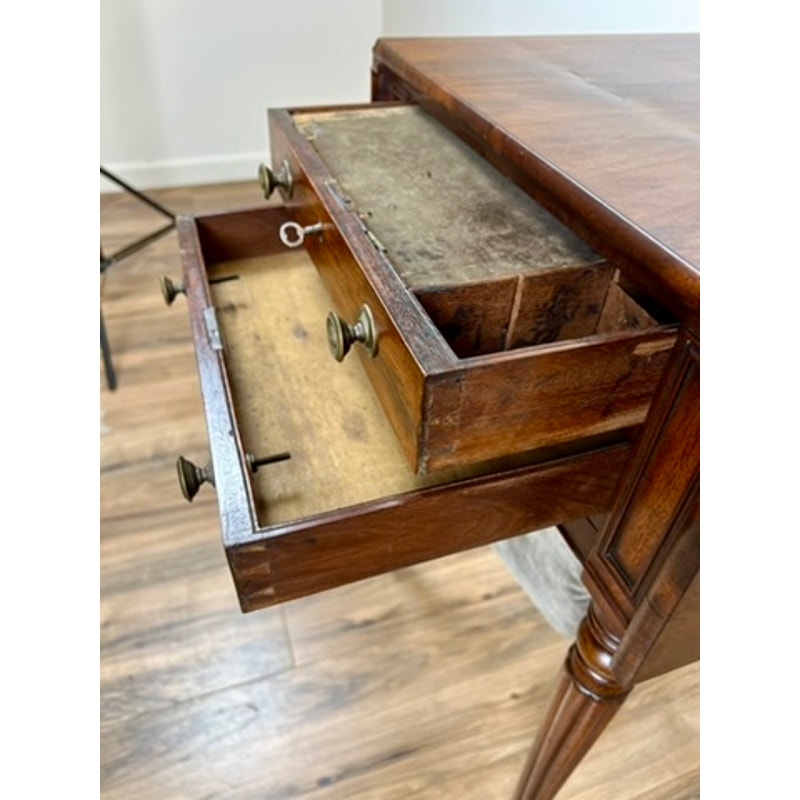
pixel 293 235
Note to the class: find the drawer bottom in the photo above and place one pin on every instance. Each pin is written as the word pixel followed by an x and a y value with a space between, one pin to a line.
pixel 290 396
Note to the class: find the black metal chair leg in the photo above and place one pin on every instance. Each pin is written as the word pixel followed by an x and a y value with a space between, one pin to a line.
pixel 133 247
pixel 108 365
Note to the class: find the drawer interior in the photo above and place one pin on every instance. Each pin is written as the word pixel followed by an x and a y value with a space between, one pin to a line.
pixel 347 504
pixel 493 269
pixel 529 310
pixel 445 215
pixel 289 395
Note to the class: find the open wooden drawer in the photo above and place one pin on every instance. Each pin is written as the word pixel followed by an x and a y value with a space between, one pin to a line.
pixel 347 504
pixel 486 327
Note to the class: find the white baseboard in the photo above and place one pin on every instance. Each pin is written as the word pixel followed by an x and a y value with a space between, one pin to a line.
pixel 184 171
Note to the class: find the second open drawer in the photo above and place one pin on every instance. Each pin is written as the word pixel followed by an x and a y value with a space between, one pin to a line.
pixel 488 328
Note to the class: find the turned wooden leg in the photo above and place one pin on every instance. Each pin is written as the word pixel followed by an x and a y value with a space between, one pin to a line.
pixel 638 571
pixel 586 699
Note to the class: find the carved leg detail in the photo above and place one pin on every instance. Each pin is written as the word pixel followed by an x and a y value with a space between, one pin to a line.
pixel 586 699
pixel 638 571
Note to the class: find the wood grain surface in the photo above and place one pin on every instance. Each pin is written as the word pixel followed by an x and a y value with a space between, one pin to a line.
pixel 425 683
pixel 589 125
pixel 542 109
pixel 444 214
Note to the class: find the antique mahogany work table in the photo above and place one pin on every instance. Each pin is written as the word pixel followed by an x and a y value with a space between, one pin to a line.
pixel 470 310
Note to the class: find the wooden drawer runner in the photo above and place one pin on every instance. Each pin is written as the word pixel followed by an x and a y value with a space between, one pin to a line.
pixel 498 330
pixel 346 505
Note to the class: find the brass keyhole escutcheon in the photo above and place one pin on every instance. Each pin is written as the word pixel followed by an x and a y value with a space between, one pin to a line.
pixel 270 180
pixel 342 335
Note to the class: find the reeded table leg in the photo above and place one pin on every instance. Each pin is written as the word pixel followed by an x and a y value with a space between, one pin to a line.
pixel 586 699
pixel 638 571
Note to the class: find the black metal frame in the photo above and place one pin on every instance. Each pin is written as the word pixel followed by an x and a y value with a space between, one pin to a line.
pixel 108 261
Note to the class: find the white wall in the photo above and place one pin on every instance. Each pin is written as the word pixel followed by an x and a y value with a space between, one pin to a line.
pixel 185 84
pixel 543 17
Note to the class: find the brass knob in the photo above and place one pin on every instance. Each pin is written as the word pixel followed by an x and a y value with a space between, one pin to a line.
pixel 341 335
pixel 191 477
pixel 170 290
pixel 270 180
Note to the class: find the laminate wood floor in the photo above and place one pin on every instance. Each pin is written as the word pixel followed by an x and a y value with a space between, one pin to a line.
pixel 429 682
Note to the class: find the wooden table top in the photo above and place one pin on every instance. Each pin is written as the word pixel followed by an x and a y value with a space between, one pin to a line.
pixel 607 124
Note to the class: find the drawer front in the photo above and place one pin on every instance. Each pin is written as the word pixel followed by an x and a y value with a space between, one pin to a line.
pixel 499 331
pixel 550 397
pixel 346 505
